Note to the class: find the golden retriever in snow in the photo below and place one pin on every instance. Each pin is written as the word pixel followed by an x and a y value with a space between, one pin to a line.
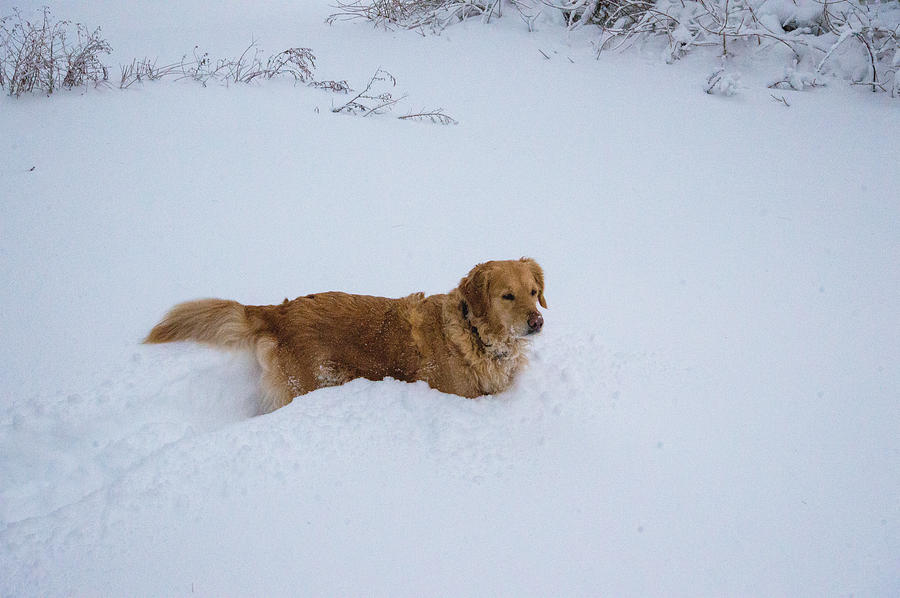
pixel 470 342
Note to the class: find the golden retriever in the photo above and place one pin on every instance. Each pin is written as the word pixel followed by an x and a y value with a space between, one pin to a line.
pixel 470 342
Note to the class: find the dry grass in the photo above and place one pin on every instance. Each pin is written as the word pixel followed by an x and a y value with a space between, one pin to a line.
pixel 297 63
pixel 37 57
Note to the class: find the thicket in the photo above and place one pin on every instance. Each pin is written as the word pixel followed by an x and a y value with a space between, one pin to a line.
pixel 857 40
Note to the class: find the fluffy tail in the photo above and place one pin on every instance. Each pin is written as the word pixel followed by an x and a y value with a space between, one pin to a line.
pixel 230 325
pixel 216 322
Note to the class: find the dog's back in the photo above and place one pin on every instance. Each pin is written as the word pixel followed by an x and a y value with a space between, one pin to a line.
pixel 330 338
pixel 311 342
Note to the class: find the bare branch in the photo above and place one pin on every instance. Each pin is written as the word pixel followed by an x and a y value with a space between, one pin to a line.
pixel 383 100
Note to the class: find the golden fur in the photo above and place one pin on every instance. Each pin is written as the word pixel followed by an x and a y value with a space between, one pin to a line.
pixel 470 341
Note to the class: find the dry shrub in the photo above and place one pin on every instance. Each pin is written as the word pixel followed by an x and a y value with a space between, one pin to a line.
pixel 413 14
pixel 376 98
pixel 37 56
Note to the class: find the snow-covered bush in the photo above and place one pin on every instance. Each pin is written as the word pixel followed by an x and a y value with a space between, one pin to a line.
pixel 851 39
pixel 855 41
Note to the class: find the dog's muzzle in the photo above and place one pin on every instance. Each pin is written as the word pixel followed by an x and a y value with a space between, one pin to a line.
pixel 535 323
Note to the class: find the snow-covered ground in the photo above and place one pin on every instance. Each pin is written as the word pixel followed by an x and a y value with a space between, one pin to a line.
pixel 712 408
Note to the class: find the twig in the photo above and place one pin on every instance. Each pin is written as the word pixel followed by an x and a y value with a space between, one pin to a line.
pixel 335 86
pixel 386 102
pixel 436 116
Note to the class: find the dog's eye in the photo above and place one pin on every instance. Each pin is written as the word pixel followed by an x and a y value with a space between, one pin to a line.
pixel 533 292
pixel 509 297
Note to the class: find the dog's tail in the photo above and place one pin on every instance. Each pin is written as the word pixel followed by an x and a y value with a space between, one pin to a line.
pixel 230 325
pixel 216 322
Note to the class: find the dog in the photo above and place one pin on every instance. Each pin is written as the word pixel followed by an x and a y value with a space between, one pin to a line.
pixel 470 342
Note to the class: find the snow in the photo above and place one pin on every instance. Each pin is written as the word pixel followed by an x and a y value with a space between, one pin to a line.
pixel 711 409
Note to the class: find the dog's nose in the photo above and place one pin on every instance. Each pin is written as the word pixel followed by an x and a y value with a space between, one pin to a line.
pixel 535 321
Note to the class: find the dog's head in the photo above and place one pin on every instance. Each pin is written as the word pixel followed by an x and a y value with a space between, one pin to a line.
pixel 503 297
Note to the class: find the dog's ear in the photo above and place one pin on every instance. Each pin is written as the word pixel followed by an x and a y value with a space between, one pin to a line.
pixel 538 274
pixel 474 288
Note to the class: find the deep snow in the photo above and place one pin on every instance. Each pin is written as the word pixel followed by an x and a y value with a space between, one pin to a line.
pixel 712 408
